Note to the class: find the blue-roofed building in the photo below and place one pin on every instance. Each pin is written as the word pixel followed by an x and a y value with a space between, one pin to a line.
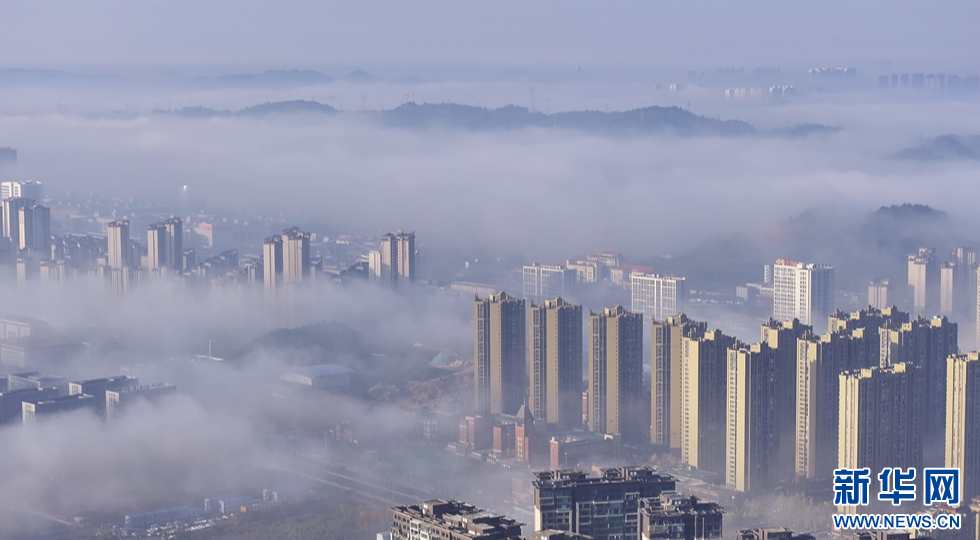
pixel 159 517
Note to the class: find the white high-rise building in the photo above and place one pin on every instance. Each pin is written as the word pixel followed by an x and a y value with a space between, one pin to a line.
pixel 27 190
pixel 118 249
pixel 544 281
pixel 803 291
pixel 394 264
pixel 924 282
pixel 657 297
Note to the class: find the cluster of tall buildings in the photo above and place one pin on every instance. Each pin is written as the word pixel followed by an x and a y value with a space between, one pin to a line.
pixel 26 224
pixel 395 263
pixel 791 407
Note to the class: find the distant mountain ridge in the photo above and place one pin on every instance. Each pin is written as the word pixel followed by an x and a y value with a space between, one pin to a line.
pixel 646 120
pixel 944 148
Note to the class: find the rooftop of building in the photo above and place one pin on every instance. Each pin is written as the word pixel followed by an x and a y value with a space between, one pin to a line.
pixel 103 380
pixel 458 515
pixel 572 477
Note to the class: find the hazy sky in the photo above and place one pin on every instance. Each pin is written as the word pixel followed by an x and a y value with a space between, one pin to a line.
pixel 689 34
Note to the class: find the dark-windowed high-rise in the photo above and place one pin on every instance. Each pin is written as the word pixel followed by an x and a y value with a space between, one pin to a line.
pixel 165 245
pixel 782 337
pixel 556 363
pixel 35 230
pixel 881 420
pixel 926 343
pixel 667 357
pixel 616 404
pixel 500 358
pixel 751 445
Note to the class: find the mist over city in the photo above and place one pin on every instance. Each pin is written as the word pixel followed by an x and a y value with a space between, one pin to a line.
pixel 542 271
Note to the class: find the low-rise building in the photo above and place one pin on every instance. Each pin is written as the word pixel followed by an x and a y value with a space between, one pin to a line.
pixel 451 520
pixel 675 516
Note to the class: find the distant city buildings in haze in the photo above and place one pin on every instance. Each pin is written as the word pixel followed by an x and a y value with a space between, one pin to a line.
pixel 924 282
pixel 616 374
pixel 165 246
pixel 803 291
pixel 656 296
pixel 118 253
pixel 880 294
pixel 395 264
pixel 541 282
pixel 500 358
pixel 286 259
pixel 26 189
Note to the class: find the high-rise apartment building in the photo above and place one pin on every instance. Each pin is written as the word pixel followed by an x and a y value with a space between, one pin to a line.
pixel 704 396
pixel 821 360
pixel 926 343
pixel 543 281
pixel 22 189
pixel 556 363
pixel 666 389
pixel 451 520
pixel 165 245
pixel 924 282
pixel 879 294
pixel 11 218
pixel 156 247
pixel 605 507
pixel 803 291
pixel 395 263
pixel 272 263
pixel 871 320
pixel 119 251
pixel 657 297
pixel 949 287
pixel 500 358
pixel 751 442
pixel 782 338
pixel 295 255
pixel 963 421
pixel 35 230
pixel 880 423
pixel 616 374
